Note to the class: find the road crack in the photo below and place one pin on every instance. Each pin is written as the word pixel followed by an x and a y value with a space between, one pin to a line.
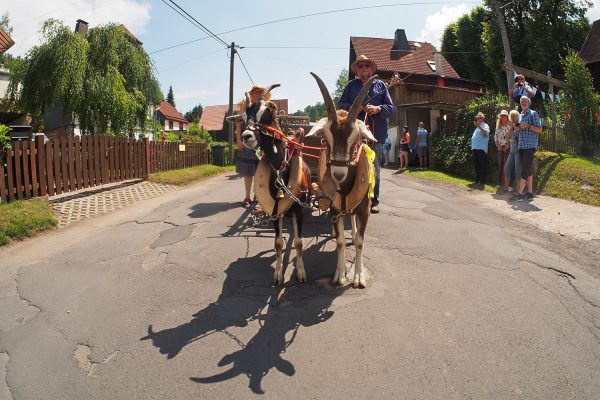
pixel 5 393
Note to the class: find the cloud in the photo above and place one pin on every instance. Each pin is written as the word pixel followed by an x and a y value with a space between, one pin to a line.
pixel 436 23
pixel 27 16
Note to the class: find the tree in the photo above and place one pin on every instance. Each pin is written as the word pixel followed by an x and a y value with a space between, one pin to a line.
pixel 170 97
pixel 540 33
pixel 195 114
pixel 580 106
pixel 340 85
pixel 103 78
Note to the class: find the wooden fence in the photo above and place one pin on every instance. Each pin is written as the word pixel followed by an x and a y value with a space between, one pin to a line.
pixel 34 168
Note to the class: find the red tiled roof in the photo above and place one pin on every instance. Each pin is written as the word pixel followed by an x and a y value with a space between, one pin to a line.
pixel 590 51
pixel 415 62
pixel 169 112
pixel 5 42
pixel 212 116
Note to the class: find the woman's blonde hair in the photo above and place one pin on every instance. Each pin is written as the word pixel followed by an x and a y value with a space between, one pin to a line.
pixel 512 113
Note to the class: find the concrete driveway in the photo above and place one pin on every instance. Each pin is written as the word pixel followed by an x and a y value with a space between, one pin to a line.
pixel 172 299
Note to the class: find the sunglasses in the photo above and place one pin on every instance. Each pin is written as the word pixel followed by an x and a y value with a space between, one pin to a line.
pixel 363 65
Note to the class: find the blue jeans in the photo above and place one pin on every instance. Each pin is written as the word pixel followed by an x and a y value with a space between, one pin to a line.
pixel 512 168
pixel 378 149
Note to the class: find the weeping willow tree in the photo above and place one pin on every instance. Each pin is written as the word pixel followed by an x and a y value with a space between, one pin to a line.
pixel 105 78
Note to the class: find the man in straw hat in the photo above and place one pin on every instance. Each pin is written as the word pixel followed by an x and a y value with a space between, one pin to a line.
pixel 377 108
pixel 479 146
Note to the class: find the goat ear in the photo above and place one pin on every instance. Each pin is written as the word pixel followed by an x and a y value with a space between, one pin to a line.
pixel 234 118
pixel 364 131
pixel 272 107
pixel 317 129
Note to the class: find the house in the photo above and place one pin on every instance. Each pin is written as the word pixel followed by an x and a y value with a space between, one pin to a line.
pixel 213 118
pixel 171 119
pixel 590 53
pixel 429 87
pixel 8 116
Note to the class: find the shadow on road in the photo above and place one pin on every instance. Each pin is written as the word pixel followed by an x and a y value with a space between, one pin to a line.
pixel 248 300
pixel 202 210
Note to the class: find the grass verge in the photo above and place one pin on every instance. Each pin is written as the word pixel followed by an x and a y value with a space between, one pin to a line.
pixel 569 177
pixel 20 219
pixel 447 178
pixel 182 177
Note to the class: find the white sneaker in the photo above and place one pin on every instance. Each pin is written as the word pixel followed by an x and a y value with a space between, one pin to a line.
pixel 510 189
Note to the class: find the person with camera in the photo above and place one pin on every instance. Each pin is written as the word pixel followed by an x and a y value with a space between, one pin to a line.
pixel 521 88
pixel 530 127
pixel 513 162
pixel 479 146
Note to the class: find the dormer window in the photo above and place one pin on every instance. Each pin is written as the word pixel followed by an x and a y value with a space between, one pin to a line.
pixel 431 64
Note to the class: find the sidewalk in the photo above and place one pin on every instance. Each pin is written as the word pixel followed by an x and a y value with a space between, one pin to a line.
pixel 83 204
pixel 551 214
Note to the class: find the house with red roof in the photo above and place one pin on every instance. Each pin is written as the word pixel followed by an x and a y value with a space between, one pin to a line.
pixel 590 53
pixel 213 118
pixel 171 119
pixel 429 87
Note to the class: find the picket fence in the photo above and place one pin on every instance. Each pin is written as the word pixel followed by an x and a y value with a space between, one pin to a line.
pixel 33 168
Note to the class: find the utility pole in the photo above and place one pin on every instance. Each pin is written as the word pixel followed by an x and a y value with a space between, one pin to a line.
pixel 230 109
pixel 507 55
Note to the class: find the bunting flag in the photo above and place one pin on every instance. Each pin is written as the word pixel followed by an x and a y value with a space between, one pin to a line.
pixel 543 95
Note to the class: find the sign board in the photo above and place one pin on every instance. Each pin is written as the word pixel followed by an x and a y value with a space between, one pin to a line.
pixel 182 147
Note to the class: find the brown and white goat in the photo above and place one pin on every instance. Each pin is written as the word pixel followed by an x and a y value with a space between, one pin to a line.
pixel 276 164
pixel 343 131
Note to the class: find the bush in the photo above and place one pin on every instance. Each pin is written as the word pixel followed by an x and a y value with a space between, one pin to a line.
pixel 453 155
pixel 4 137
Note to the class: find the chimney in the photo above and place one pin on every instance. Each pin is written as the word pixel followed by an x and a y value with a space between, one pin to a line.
pixel 439 67
pixel 81 27
pixel 401 46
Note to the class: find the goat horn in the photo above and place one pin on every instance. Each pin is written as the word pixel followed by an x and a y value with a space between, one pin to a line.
pixel 358 102
pixel 276 85
pixel 329 106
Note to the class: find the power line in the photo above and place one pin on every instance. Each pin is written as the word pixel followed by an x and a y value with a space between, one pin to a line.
pixel 192 59
pixel 316 14
pixel 290 61
pixel 295 47
pixel 204 28
pixel 244 65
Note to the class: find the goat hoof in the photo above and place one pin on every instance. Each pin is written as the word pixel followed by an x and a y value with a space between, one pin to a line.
pixel 301 276
pixel 278 279
pixel 360 281
pixel 341 281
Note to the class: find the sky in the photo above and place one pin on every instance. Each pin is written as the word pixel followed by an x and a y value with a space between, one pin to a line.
pixel 199 71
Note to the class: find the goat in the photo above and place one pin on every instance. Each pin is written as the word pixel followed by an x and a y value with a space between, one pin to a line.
pixel 277 165
pixel 341 178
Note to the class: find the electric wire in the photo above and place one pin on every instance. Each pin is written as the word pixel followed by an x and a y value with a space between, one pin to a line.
pixel 204 28
pixel 244 65
pixel 313 15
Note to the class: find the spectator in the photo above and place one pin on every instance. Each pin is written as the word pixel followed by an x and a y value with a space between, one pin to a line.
pixel 479 146
pixel 521 88
pixel 502 127
pixel 512 168
pixel 387 146
pixel 404 147
pixel 247 161
pixel 421 144
pixel 529 129
pixel 376 110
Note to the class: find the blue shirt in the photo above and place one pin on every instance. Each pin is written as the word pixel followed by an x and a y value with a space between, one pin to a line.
pixel 378 95
pixel 478 141
pixel 422 135
pixel 528 139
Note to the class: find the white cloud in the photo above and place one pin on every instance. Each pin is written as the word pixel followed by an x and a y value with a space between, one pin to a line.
pixel 26 16
pixel 436 23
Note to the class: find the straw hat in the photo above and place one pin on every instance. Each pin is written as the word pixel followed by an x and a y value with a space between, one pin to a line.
pixel 262 89
pixel 503 112
pixel 363 58
pixel 480 115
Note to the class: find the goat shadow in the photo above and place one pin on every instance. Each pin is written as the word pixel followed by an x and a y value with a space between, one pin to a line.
pixel 247 295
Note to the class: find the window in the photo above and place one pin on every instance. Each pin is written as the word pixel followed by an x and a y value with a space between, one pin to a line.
pixel 170 125
pixel 431 64
pixel 181 126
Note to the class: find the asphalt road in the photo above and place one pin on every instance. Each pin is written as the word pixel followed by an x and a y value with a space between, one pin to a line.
pixel 172 299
